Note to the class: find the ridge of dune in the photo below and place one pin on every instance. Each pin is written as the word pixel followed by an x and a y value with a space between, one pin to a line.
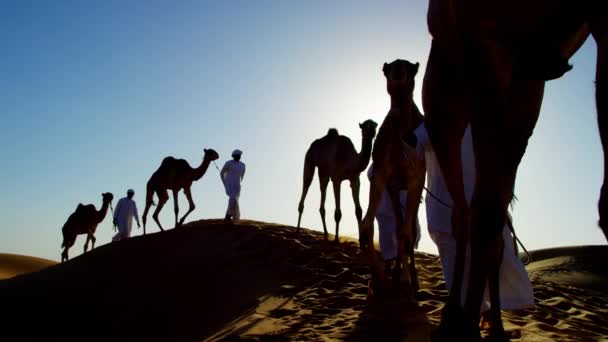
pixel 12 265
pixel 259 281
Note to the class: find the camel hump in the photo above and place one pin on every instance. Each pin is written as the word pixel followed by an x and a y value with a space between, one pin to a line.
pixel 332 133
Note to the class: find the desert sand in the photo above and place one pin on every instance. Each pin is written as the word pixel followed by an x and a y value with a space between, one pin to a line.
pixel 260 281
pixel 13 265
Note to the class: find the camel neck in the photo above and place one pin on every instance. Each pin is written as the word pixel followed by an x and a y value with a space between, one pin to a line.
pixel 403 103
pixel 365 153
pixel 103 211
pixel 199 172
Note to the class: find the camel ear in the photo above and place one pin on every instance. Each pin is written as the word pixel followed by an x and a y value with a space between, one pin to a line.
pixel 415 68
pixel 386 69
pixel 205 150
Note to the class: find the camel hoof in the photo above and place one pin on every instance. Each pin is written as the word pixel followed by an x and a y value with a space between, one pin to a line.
pixel 455 326
pixel 336 241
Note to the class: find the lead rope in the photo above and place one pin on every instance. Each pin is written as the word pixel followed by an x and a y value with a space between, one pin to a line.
pixel 112 211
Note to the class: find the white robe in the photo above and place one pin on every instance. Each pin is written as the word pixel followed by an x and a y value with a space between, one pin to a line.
pixel 124 212
pixel 232 174
pixel 387 223
pixel 515 287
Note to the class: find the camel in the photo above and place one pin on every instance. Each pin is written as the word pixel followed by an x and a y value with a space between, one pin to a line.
pixel 336 158
pixel 174 174
pixel 487 67
pixel 84 220
pixel 396 168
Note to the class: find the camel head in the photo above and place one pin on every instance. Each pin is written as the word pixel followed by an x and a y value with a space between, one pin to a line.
pixel 400 77
pixel 211 155
pixel 107 197
pixel 368 128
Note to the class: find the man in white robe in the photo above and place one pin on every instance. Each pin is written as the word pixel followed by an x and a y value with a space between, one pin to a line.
pixel 515 287
pixel 125 210
pixel 387 222
pixel 232 175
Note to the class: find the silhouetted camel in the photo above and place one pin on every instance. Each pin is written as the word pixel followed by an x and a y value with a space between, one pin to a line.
pixel 174 174
pixel 396 168
pixel 336 158
pixel 488 64
pixel 84 220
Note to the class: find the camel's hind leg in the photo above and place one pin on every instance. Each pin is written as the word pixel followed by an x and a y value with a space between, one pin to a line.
pixel 323 181
pixel 191 205
pixel 337 212
pixel 599 30
pixel 309 173
pixel 149 203
pixel 162 199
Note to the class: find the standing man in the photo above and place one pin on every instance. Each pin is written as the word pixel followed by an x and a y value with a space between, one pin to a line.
pixel 126 209
pixel 232 174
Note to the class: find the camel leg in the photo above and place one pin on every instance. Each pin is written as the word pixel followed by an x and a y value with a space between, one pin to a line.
pixel 414 194
pixel 355 185
pixel 503 119
pixel 337 212
pixel 175 206
pixel 162 199
pixel 149 203
pixel 376 188
pixel 599 30
pixel 191 205
pixel 496 329
pixel 400 282
pixel 309 173
pixel 323 181
pixel 86 244
pixel 446 120
pixel 64 254
pixel 93 239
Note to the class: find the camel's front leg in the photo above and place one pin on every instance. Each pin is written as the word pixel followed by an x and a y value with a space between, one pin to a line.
pixel 377 185
pixel 401 283
pixel 338 213
pixel 447 116
pixel 414 195
pixel 190 203
pixel 64 254
pixel 599 30
pixel 355 185
pixel 176 207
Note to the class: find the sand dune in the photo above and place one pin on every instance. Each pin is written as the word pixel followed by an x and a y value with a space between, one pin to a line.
pixel 259 281
pixel 13 264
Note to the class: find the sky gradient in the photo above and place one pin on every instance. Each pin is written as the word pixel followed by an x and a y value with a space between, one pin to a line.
pixel 95 94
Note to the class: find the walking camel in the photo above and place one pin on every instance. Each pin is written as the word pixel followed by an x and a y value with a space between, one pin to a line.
pixel 336 158
pixel 84 220
pixel 487 66
pixel 396 168
pixel 174 174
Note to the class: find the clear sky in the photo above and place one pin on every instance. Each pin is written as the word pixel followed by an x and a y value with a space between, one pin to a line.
pixel 94 94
